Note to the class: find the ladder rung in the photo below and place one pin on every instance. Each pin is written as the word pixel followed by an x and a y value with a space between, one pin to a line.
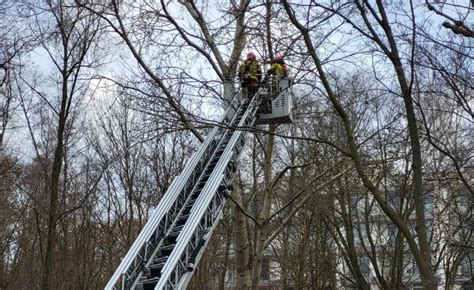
pixel 176 230
pixel 161 259
pixel 183 218
pixel 150 283
pixel 155 268
pixel 167 248
pixel 149 280
pixel 188 208
pixel 190 203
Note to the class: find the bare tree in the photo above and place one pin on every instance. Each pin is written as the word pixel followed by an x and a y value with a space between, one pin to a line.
pixel 374 24
pixel 68 42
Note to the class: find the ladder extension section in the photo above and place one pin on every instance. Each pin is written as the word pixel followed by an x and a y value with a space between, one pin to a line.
pixel 178 270
pixel 173 240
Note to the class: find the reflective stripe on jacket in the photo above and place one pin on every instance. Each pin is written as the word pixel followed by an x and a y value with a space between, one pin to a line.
pixel 250 69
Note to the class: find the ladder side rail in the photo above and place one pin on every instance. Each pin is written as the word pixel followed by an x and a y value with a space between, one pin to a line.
pixel 177 263
pixel 159 222
pixel 215 208
pixel 213 214
pixel 224 131
pixel 161 219
pixel 184 281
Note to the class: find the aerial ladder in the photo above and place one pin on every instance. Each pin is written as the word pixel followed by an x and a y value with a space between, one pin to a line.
pixel 169 247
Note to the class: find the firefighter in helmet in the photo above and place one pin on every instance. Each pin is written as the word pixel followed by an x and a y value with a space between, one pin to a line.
pixel 277 71
pixel 250 75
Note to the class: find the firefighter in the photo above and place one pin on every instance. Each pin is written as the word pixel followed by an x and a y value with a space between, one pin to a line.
pixel 277 71
pixel 250 75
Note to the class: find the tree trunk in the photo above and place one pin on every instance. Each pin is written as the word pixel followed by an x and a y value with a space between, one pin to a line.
pixel 228 245
pixel 242 245
pixel 54 187
pixel 263 229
